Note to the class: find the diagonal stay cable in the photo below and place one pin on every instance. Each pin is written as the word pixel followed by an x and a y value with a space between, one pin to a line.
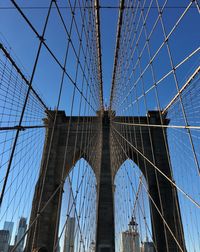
pixel 159 49
pixel 24 106
pixel 98 38
pixel 42 209
pixel 117 50
pixel 160 80
pixel 149 161
pixel 22 75
pixel 159 125
pixel 196 72
pixel 22 128
pixel 42 41
pixel 73 46
pixel 159 212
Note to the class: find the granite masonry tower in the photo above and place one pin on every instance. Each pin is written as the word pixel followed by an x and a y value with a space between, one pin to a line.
pixel 57 162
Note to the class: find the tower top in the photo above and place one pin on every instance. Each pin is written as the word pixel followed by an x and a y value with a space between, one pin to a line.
pixel 133 224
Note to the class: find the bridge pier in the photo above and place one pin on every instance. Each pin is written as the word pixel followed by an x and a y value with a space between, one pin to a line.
pixel 165 213
pixel 44 230
pixel 149 151
pixel 56 164
pixel 105 241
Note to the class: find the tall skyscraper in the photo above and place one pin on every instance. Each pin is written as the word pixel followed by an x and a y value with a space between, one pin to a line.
pixel 147 247
pixel 4 240
pixel 8 225
pixel 130 242
pixel 69 235
pixel 92 247
pixel 130 238
pixel 20 232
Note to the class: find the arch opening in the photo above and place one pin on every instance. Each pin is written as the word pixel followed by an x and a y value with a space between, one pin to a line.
pixel 133 229
pixel 77 224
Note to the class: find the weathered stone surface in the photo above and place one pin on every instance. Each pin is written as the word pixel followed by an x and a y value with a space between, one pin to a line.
pixel 94 142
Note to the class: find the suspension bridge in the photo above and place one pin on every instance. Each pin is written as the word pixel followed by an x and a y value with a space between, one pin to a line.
pixel 77 173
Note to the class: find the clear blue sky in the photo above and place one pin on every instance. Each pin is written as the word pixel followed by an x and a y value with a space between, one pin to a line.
pixel 186 38
pixel 24 43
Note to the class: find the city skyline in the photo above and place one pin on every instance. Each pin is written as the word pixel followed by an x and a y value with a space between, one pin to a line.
pixel 14 237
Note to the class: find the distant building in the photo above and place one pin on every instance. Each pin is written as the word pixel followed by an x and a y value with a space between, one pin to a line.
pixel 69 235
pixel 20 232
pixel 8 225
pixel 130 242
pixel 130 238
pixel 4 240
pixel 11 248
pixel 147 247
pixel 92 247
